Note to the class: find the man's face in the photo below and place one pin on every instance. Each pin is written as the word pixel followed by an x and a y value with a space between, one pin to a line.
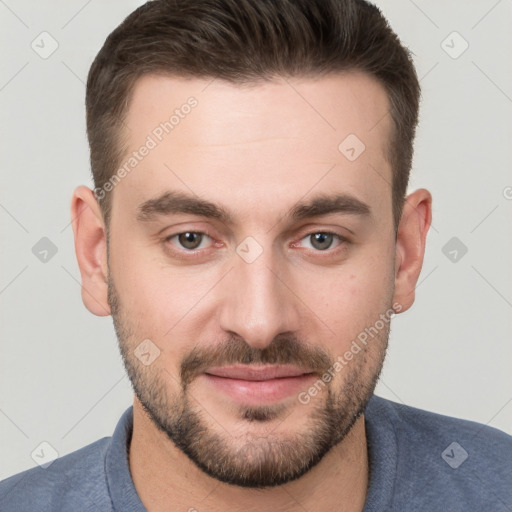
pixel 269 283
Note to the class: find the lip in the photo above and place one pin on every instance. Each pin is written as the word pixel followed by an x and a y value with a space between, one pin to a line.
pixel 257 373
pixel 253 385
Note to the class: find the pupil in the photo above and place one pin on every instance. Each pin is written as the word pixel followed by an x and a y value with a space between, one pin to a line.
pixel 322 240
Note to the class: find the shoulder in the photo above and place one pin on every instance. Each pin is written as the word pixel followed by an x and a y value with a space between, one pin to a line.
pixel 425 429
pixel 76 481
pixel 446 460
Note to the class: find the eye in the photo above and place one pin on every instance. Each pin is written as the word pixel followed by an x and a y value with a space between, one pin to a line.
pixel 319 241
pixel 189 240
pixel 323 240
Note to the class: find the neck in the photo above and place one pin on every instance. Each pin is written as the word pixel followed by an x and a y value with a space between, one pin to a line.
pixel 166 480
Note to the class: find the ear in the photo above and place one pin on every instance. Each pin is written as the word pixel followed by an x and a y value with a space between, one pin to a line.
pixel 91 250
pixel 410 246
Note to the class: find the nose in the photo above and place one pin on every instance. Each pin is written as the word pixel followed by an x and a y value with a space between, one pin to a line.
pixel 258 301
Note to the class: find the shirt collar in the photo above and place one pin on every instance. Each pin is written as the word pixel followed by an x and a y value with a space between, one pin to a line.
pixel 119 480
pixel 382 455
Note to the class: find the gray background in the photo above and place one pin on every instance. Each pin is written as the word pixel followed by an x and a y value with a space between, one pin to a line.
pixel 61 377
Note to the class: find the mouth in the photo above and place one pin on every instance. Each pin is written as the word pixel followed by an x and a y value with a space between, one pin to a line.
pixel 259 385
pixel 255 373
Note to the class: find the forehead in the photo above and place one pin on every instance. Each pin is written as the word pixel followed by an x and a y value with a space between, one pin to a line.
pixel 288 135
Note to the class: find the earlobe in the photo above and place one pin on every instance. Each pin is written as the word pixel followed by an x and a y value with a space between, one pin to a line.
pixel 91 250
pixel 410 245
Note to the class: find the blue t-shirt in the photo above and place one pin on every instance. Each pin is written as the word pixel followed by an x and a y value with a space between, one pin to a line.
pixel 419 461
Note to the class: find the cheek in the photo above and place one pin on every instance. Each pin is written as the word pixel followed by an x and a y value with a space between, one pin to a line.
pixel 352 298
pixel 167 305
pixel 149 289
pixel 160 299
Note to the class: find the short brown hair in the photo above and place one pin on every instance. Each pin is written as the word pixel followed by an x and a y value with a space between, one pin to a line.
pixel 247 41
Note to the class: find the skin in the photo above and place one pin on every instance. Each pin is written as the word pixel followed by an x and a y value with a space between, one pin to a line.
pixel 256 151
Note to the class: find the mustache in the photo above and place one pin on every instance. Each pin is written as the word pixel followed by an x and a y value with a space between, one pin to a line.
pixel 282 350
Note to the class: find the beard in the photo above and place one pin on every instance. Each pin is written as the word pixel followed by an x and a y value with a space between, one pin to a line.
pixel 250 459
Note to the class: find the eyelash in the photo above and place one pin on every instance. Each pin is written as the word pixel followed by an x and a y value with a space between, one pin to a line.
pixel 191 253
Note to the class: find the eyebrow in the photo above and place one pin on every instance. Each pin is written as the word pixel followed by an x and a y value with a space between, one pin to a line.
pixel 172 202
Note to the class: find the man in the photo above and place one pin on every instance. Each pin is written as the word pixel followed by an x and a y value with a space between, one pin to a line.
pixel 250 235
